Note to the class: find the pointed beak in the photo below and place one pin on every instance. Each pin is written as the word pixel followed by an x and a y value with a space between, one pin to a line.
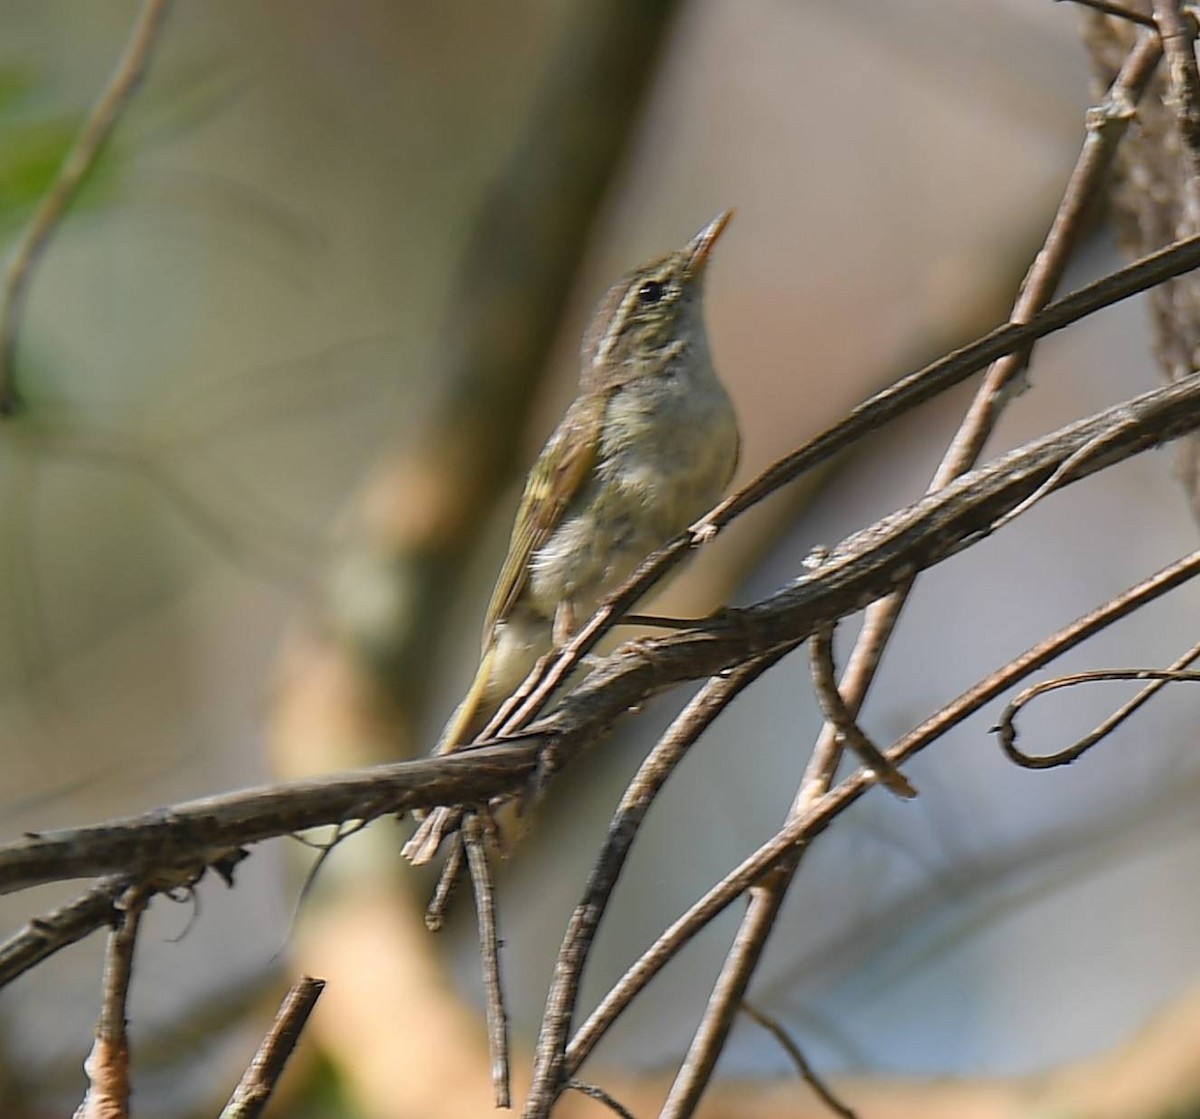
pixel 700 246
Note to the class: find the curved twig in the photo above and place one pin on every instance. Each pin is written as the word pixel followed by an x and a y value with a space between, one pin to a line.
pixel 1006 729
pixel 595 1092
pixel 805 1070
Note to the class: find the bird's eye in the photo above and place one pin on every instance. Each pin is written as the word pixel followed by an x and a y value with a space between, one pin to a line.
pixel 651 292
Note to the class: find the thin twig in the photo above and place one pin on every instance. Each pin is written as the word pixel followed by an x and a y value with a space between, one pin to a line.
pixel 1106 7
pixel 1105 125
pixel 448 879
pixel 69 923
pixel 833 706
pixel 1054 482
pixel 473 841
pixel 807 1073
pixel 79 160
pixel 1006 729
pixel 595 1092
pixel 107 1065
pixel 258 1082
pixel 640 794
pixel 1105 728
pixel 863 567
pixel 802 829
pixel 342 830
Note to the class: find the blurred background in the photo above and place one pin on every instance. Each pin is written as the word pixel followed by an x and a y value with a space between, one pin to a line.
pixel 282 370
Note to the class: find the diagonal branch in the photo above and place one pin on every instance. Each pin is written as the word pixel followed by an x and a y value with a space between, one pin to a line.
pixel 258 1082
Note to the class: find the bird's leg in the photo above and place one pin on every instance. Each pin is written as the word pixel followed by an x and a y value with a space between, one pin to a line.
pixel 564 623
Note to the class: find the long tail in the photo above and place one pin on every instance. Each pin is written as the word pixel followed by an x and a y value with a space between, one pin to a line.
pixel 469 718
pixel 472 715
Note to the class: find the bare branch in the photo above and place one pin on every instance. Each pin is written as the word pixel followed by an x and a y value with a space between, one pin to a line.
pixel 807 1073
pixel 651 776
pixel 258 1082
pixel 61 927
pixel 107 1065
pixel 489 954
pixel 79 160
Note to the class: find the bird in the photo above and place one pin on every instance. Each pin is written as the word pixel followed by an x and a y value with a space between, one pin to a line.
pixel 648 445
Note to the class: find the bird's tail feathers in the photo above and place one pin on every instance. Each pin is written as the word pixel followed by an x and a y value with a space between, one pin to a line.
pixel 472 715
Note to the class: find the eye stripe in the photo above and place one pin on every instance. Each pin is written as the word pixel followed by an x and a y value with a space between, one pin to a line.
pixel 631 309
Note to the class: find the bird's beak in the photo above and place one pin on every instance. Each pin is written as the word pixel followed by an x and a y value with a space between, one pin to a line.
pixel 700 246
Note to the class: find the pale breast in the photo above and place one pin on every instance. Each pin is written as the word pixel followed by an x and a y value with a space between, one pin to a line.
pixel 669 449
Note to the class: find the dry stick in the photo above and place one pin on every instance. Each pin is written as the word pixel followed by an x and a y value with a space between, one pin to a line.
pixel 181 839
pixel 489 955
pixel 107 1065
pixel 1120 11
pixel 806 1072
pixel 47 934
pixel 96 907
pixel 838 715
pixel 78 161
pixel 595 1092
pixel 1105 125
pixel 435 912
pixel 258 1081
pixel 641 792
pixel 1006 729
pixel 800 830
pixel 213 828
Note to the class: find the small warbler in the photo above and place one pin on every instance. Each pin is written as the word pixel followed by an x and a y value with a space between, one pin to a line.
pixel 646 448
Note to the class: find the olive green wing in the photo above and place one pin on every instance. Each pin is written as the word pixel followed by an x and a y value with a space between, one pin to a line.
pixel 554 480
